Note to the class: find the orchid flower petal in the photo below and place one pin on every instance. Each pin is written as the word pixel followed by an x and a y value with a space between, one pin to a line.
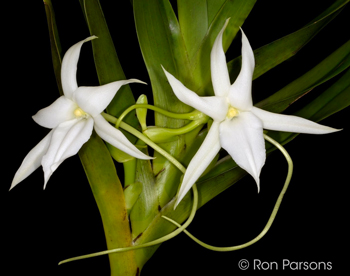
pixel 116 138
pixel 215 107
pixel 242 137
pixel 58 112
pixel 64 136
pixel 94 100
pixel 69 68
pixel 75 138
pixel 240 93
pixel 289 123
pixel 219 73
pixel 32 161
pixel 206 153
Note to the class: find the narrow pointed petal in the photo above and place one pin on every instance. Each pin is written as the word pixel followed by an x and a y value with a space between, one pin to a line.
pixel 116 138
pixel 94 100
pixel 32 161
pixel 66 141
pixel 75 138
pixel 241 90
pixel 201 160
pixel 69 68
pixel 58 112
pixel 219 73
pixel 215 107
pixel 289 123
pixel 242 137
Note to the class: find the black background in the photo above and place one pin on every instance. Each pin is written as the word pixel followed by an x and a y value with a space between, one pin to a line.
pixel 41 227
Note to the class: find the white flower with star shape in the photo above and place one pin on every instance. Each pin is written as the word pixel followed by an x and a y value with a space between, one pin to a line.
pixel 72 117
pixel 237 124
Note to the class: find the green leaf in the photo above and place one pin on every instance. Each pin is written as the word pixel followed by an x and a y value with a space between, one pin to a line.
pixel 109 196
pixel 56 51
pixel 146 207
pixel 119 155
pixel 334 99
pixel 107 64
pixel 131 194
pixel 237 11
pixel 162 44
pixel 333 7
pixel 274 53
pixel 325 70
pixel 195 18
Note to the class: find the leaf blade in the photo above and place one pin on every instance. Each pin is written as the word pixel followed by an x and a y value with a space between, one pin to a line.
pixel 334 64
pixel 107 63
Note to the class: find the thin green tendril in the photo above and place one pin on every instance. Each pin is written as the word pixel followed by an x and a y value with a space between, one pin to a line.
pixel 272 216
pixel 194 115
pixel 154 242
pixel 145 139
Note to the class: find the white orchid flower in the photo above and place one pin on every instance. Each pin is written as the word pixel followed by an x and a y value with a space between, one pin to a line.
pixel 237 124
pixel 72 118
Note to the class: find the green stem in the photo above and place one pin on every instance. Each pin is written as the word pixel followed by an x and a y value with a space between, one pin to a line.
pixel 272 216
pixel 194 115
pixel 161 135
pixel 187 128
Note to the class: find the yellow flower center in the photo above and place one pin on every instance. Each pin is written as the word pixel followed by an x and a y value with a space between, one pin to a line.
pixel 79 113
pixel 232 112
